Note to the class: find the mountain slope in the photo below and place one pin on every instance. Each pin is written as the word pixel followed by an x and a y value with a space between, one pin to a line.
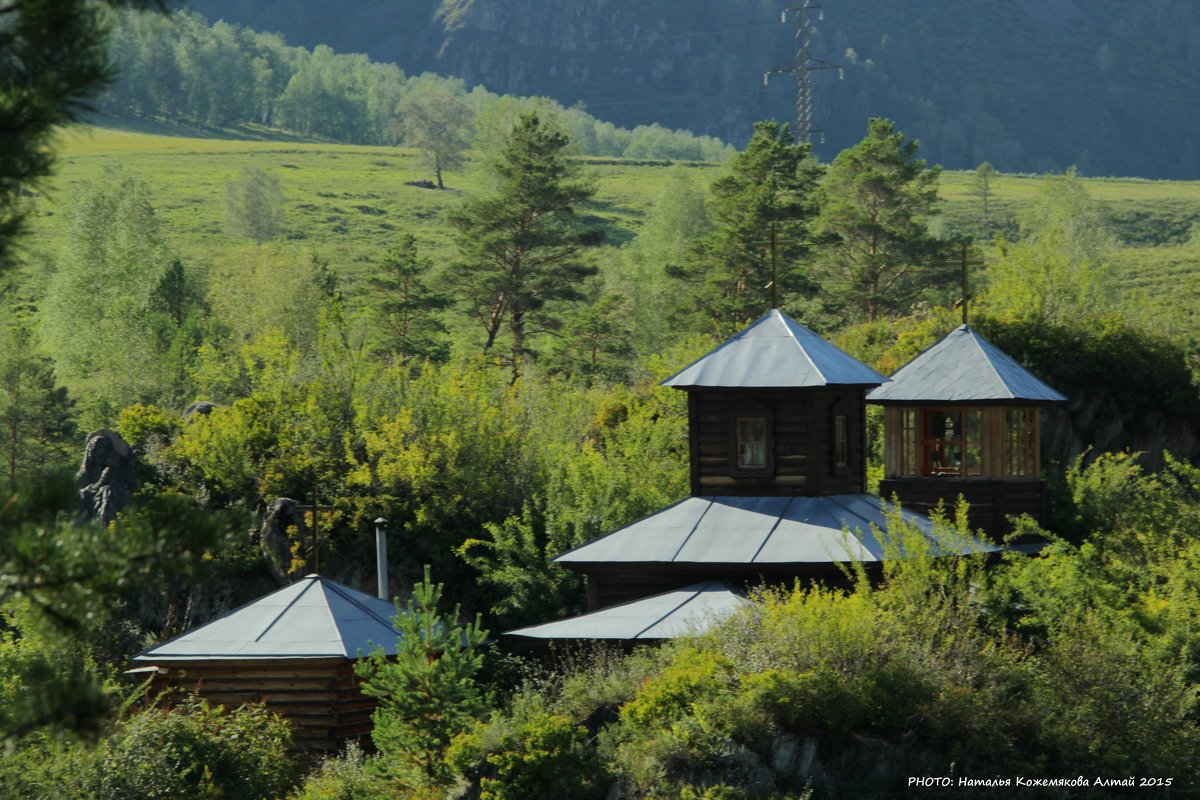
pixel 1030 85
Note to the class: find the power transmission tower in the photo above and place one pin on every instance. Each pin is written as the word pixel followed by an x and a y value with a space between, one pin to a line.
pixel 803 66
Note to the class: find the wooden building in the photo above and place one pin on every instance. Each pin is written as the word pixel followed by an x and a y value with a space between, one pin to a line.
pixel 292 650
pixel 963 418
pixel 777 441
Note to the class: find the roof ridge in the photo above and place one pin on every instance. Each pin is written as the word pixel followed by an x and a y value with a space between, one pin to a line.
pixel 978 340
pixel 285 609
pixel 336 588
pixel 788 327
pixel 775 527
pixel 695 528
pixel 695 593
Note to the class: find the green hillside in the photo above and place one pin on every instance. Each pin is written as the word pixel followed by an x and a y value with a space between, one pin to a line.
pixel 347 203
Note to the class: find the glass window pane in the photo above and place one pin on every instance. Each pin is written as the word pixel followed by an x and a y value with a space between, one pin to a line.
pixel 974 442
pixel 752 442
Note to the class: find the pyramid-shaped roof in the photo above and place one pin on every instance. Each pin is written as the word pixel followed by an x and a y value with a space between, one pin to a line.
pixel 670 615
pixel 313 618
pixel 963 368
pixel 731 531
pixel 774 352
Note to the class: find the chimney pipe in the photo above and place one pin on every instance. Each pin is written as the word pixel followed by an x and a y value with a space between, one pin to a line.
pixel 381 556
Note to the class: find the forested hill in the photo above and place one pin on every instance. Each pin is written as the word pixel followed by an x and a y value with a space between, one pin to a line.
pixel 1029 85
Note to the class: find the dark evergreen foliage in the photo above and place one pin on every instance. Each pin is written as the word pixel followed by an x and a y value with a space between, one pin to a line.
pixel 727 276
pixel 523 247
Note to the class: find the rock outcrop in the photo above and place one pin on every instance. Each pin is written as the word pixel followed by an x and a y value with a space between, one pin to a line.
pixel 108 476
pixel 282 513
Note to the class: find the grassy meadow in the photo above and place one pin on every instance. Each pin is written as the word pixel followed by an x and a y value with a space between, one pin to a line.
pixel 347 203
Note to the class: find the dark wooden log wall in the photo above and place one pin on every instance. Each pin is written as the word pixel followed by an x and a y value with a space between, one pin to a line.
pixel 801 438
pixel 991 502
pixel 319 697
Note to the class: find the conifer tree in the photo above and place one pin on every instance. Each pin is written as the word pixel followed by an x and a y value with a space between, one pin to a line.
pixel 727 276
pixel 37 428
pixel 878 253
pixel 522 246
pixel 407 307
pixel 428 693
pixel 52 60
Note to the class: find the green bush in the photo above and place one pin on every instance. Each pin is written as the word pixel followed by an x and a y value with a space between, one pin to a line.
pixel 547 757
pixel 197 751
pixel 344 777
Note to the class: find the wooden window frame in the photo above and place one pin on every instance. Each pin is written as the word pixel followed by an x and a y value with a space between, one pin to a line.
pixel 840 450
pixel 749 411
pixel 1027 440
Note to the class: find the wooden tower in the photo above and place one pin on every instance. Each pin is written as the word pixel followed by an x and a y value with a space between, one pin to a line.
pixel 963 418
pixel 778 490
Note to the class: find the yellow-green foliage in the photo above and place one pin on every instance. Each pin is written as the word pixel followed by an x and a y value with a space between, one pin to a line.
pixel 547 756
pixel 138 424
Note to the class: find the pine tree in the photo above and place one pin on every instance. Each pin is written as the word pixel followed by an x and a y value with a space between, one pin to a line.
pixel 52 60
pixel 427 694
pixel 727 276
pixel 878 254
pixel 407 307
pixel 522 245
pixel 37 428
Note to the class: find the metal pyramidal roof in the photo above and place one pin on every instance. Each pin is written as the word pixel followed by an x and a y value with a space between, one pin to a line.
pixel 313 618
pixel 670 615
pixel 774 352
pixel 761 531
pixel 963 367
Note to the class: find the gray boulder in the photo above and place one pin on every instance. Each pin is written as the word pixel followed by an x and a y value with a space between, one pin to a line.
pixel 108 476
pixel 200 408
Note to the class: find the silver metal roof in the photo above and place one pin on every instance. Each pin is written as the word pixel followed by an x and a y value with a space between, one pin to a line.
pixel 313 618
pixel 775 352
pixel 670 615
pixel 963 367
pixel 758 530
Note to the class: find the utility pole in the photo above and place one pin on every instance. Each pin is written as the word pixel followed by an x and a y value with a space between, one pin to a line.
pixel 803 66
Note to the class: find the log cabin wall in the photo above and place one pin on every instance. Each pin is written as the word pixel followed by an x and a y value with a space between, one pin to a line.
pixel 319 697
pixel 802 437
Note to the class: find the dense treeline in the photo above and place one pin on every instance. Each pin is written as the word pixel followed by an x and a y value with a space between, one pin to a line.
pixel 180 69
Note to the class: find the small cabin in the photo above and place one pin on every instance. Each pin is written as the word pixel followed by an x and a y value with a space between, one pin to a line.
pixel 963 418
pixel 292 650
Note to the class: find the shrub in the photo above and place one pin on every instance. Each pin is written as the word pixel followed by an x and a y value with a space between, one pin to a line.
pixel 198 751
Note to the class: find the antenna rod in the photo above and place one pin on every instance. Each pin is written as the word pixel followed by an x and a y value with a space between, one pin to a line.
pixel 381 557
pixel 774 269
pixel 964 282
